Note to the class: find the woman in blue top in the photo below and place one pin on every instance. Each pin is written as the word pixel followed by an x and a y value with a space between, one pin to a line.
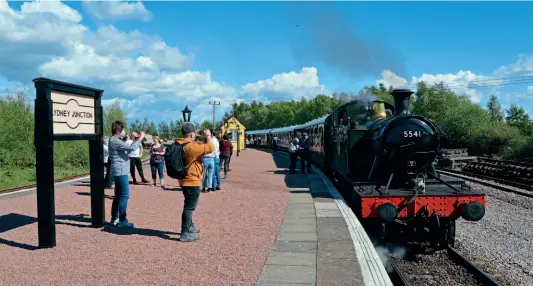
pixel 120 169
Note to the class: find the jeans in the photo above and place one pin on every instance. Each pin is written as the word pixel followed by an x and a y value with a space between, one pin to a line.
pixel 294 159
pixel 209 168
pixel 157 167
pixel 305 155
pixel 191 195
pixel 224 161
pixel 136 162
pixel 122 195
pixel 216 178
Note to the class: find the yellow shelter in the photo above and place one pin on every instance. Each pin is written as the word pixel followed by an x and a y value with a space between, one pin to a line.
pixel 235 130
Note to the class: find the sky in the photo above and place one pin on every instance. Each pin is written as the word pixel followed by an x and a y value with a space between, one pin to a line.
pixel 157 57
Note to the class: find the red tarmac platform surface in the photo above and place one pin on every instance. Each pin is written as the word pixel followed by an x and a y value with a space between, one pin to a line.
pixel 239 225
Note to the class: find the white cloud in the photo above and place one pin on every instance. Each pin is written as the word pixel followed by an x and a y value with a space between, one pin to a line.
pixel 466 82
pixel 118 10
pixel 523 66
pixel 296 84
pixel 530 89
pixel 389 78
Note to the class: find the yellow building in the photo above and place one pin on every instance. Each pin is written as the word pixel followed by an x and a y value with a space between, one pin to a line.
pixel 235 130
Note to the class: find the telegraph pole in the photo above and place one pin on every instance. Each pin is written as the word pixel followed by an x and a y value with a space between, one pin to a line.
pixel 214 103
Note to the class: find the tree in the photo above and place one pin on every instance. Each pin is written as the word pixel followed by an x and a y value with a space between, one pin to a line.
pixel 495 109
pixel 172 129
pixel 145 125
pixel 206 125
pixel 517 117
pixel 164 130
pixel 111 114
pixel 151 129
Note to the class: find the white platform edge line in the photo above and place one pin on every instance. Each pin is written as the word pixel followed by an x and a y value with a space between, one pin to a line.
pixel 373 271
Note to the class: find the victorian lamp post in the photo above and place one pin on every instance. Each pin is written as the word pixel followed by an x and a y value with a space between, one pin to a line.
pixel 186 114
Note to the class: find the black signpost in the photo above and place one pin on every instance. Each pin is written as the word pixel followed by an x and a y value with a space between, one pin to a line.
pixel 65 111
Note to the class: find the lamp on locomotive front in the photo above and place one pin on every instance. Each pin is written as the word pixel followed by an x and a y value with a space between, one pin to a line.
pixel 186 114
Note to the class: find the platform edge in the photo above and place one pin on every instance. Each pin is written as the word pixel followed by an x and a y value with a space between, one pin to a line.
pixel 373 270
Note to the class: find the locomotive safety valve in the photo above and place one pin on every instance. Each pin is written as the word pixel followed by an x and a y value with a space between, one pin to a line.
pixel 387 212
pixel 473 211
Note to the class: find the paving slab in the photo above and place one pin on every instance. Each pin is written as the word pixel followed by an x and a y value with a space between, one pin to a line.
pixel 288 274
pixel 295 246
pixel 292 258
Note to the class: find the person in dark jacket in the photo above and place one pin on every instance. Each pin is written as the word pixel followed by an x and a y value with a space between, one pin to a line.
pixel 305 152
pixel 225 154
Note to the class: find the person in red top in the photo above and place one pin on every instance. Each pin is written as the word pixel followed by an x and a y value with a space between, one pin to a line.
pixel 225 152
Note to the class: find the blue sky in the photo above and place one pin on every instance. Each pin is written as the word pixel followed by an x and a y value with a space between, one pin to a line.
pixel 190 52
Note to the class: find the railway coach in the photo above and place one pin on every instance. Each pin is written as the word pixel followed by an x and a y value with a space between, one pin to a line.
pixel 383 156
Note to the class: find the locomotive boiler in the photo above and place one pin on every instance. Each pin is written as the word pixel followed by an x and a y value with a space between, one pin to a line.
pixel 383 156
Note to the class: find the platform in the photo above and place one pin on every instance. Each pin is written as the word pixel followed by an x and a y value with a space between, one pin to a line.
pixel 264 227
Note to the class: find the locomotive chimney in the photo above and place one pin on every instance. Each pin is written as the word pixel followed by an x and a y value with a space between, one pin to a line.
pixel 402 100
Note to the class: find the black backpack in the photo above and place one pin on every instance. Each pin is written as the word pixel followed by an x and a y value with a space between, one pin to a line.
pixel 174 161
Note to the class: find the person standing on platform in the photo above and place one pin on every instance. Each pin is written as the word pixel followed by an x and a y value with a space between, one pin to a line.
pixel 120 164
pixel 157 161
pixel 193 153
pixel 293 148
pixel 305 151
pixel 209 164
pixel 225 154
pixel 135 160
pixel 216 175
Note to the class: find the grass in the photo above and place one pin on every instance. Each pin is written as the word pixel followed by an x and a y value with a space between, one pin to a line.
pixel 13 177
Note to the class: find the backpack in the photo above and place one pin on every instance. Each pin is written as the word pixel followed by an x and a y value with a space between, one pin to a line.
pixel 174 161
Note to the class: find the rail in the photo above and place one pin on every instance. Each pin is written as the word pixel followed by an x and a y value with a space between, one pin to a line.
pixel 402 279
pixel 476 179
pixel 60 180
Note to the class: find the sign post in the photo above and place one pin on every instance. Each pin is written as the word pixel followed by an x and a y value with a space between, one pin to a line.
pixel 65 111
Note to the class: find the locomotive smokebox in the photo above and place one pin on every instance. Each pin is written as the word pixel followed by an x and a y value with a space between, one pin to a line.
pixel 402 101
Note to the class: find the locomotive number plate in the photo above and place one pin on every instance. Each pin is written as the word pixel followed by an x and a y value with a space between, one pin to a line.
pixel 408 134
pixel 411 163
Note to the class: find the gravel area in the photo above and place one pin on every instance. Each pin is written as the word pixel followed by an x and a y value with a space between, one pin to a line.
pixel 434 269
pixel 238 228
pixel 502 242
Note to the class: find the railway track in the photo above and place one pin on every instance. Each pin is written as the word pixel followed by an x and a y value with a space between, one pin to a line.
pixel 499 184
pixel 446 267
pixel 60 180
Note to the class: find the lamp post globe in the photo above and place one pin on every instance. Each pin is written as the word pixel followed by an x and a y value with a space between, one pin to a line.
pixel 186 114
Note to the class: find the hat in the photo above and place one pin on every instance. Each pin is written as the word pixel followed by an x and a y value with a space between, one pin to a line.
pixel 188 128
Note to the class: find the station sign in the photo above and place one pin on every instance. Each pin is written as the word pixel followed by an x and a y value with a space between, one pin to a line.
pixel 72 113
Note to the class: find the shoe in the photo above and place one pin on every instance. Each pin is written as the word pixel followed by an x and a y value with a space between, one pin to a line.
pixel 210 190
pixel 188 237
pixel 135 183
pixel 203 190
pixel 144 181
pixel 194 230
pixel 126 224
pixel 114 222
pixel 217 188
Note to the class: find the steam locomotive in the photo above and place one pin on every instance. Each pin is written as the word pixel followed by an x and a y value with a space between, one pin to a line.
pixel 383 156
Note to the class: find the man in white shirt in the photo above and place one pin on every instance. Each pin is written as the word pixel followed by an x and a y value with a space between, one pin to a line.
pixel 135 160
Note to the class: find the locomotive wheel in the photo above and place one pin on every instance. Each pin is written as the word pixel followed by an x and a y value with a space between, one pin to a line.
pixel 447 233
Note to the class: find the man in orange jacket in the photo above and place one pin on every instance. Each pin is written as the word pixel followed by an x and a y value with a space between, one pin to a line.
pixel 192 184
